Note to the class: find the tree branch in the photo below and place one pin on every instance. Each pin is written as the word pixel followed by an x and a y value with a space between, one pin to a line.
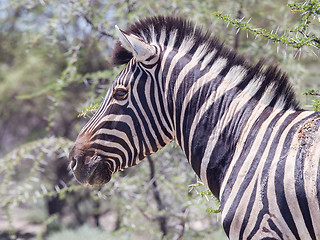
pixel 182 225
pixel 94 27
pixel 162 219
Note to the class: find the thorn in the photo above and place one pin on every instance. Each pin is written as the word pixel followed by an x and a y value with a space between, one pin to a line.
pixel 314 53
pixel 295 54
pixel 57 188
pixel 63 183
pixel 43 188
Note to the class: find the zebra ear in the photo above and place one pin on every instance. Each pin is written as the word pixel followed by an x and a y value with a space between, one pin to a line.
pixel 139 48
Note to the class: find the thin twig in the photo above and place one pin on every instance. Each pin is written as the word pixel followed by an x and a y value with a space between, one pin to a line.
pixel 94 27
pixel 162 219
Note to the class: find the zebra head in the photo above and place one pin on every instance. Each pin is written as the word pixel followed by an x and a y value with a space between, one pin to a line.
pixel 131 122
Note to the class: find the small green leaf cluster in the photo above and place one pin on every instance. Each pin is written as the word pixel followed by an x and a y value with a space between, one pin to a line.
pixel 316 100
pixel 313 92
pixel 205 193
pixel 316 104
pixel 91 107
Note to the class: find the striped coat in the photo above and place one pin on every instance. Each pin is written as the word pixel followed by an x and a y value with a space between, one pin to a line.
pixel 239 126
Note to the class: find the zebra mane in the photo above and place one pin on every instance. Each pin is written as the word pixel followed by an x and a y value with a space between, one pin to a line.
pixel 184 32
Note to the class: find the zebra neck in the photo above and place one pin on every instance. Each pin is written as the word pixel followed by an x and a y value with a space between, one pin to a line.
pixel 209 112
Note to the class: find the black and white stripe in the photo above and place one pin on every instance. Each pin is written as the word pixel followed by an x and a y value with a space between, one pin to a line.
pixel 239 126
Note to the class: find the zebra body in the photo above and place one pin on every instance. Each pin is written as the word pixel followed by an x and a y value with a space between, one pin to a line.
pixel 239 126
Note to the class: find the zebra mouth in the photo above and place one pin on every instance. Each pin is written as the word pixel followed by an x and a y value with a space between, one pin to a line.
pixel 90 170
pixel 99 175
pixel 91 179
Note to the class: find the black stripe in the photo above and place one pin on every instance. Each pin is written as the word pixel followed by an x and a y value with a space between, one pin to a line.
pixel 265 172
pixel 116 167
pixel 111 150
pixel 275 228
pixel 246 149
pixel 165 70
pixel 124 127
pixel 121 126
pixel 209 118
pixel 146 127
pixel 208 121
pixel 160 113
pixel 245 182
pixel 114 139
pixel 279 175
pixel 196 102
pixel 177 68
pixel 223 151
pixel 161 97
pixel 248 211
pixel 191 78
pixel 141 89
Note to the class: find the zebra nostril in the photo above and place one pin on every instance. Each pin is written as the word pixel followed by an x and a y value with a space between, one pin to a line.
pixel 73 164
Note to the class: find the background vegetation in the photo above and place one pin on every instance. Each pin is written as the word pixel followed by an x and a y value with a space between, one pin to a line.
pixel 54 67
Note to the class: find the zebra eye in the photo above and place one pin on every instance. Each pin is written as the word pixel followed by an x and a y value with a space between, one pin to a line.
pixel 120 94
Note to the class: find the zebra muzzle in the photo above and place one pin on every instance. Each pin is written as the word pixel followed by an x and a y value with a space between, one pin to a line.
pixel 89 169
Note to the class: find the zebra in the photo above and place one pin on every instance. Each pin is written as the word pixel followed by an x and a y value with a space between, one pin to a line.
pixel 239 125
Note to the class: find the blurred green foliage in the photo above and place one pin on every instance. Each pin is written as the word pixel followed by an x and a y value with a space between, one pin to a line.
pixel 54 72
